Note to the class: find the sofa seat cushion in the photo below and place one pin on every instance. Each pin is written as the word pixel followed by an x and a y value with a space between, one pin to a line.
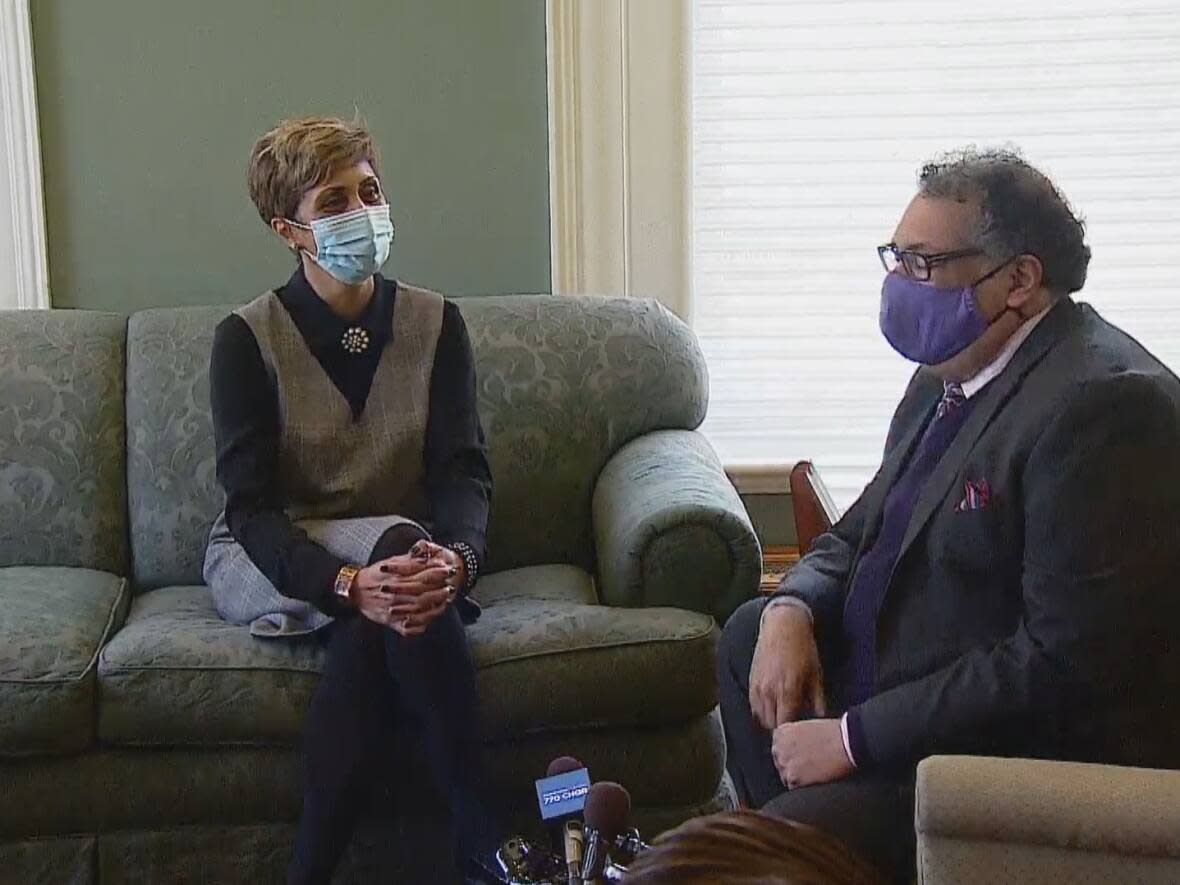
pixel 177 673
pixel 549 658
pixel 53 621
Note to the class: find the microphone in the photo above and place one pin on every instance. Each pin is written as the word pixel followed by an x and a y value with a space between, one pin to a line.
pixel 630 845
pixel 562 765
pixel 574 841
pixel 561 796
pixel 608 806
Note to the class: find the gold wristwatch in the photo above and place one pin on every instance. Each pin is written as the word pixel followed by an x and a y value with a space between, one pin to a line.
pixel 344 580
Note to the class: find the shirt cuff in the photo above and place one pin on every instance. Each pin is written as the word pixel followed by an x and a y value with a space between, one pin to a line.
pixel 777 601
pixel 844 736
pixel 855 743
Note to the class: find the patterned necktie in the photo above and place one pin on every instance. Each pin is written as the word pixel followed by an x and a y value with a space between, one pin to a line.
pixel 952 398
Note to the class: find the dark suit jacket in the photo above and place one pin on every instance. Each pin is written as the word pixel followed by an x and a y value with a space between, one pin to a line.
pixel 1047 623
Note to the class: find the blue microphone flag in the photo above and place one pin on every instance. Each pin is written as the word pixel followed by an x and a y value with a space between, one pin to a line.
pixel 563 793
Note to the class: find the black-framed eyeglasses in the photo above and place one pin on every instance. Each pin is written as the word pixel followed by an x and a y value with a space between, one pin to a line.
pixel 917 265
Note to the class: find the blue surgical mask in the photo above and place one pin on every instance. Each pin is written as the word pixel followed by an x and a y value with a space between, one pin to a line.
pixel 352 246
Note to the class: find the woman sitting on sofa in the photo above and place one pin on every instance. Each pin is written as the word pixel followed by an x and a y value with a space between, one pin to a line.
pixel 357 487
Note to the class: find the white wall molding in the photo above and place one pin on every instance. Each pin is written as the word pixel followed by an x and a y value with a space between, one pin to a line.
pixel 24 269
pixel 619 142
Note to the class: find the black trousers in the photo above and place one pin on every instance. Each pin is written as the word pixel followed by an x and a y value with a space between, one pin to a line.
pixel 374 681
pixel 872 814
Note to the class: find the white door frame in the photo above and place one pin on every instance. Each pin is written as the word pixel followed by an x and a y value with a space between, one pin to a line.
pixel 24 266
pixel 619 148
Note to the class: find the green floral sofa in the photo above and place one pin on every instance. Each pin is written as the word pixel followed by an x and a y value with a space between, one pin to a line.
pixel 142 739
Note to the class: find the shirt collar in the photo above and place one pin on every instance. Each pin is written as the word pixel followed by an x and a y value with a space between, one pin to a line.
pixel 992 370
pixel 322 327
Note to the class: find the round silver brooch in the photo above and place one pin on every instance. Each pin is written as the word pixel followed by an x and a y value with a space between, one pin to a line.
pixel 355 340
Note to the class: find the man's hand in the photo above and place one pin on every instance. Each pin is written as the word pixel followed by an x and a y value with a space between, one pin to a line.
pixel 786 679
pixel 810 752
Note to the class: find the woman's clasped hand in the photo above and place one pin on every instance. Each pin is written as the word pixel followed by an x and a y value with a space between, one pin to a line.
pixel 408 592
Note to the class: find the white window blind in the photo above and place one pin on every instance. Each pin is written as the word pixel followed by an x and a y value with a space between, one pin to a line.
pixel 810 122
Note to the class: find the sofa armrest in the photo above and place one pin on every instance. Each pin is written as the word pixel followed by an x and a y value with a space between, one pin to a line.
pixel 670 529
pixel 1061 812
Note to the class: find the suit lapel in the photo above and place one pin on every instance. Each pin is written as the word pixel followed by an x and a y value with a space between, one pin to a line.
pixel 899 455
pixel 1050 331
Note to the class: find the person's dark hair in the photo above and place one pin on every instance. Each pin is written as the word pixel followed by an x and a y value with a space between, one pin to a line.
pixel 1020 211
pixel 748 848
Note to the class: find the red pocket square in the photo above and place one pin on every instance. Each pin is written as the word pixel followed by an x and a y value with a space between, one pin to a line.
pixel 978 496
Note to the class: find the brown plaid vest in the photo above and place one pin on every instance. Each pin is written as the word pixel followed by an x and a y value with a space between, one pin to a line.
pixel 331 466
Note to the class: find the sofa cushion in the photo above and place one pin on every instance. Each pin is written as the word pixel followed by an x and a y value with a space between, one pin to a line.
pixel 62 488
pixel 172 491
pixel 53 621
pixel 550 662
pixel 179 674
pixel 62 859
pixel 549 658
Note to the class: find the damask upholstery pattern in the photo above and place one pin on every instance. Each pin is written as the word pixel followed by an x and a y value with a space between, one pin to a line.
pixel 62 489
pixel 64 859
pixel 178 674
pixel 563 383
pixel 52 623
pixel 172 490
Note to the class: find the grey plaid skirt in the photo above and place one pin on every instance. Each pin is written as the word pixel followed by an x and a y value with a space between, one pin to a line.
pixel 243 595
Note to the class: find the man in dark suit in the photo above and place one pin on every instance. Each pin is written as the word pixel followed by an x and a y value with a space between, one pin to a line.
pixel 1007 582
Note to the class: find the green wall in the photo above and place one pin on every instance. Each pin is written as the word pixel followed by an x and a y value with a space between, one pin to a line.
pixel 148 110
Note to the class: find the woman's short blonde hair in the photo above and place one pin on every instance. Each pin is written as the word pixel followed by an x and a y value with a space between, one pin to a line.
pixel 300 153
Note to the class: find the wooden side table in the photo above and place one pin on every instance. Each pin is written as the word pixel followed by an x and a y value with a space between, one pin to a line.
pixel 776 562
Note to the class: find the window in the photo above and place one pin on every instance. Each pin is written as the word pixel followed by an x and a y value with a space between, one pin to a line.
pixel 810 121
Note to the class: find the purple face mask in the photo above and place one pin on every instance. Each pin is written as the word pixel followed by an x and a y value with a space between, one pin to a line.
pixel 928 324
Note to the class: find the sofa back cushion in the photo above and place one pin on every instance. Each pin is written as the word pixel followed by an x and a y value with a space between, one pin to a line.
pixel 62 487
pixel 563 383
pixel 172 491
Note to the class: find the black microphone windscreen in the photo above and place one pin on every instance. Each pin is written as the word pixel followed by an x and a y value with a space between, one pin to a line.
pixel 608 805
pixel 561 765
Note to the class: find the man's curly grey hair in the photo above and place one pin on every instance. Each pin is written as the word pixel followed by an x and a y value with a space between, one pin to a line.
pixel 1020 211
